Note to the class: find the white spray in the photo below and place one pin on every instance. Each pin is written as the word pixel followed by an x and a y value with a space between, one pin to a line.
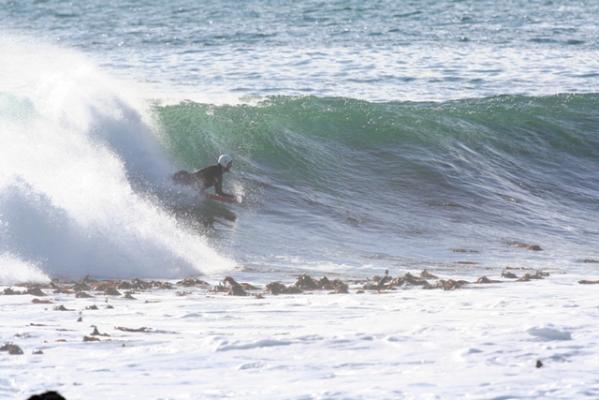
pixel 77 158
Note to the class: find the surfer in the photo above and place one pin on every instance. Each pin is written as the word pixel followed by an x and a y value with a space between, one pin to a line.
pixel 208 177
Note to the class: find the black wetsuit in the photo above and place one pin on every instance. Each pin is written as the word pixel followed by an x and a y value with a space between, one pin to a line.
pixel 204 178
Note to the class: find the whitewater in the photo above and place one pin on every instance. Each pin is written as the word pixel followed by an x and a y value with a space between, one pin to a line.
pixel 477 343
pixel 438 158
pixel 74 147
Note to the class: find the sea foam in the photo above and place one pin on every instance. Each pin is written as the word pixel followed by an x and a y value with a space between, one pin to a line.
pixel 79 168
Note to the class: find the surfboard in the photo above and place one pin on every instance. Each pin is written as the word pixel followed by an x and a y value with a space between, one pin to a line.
pixel 220 198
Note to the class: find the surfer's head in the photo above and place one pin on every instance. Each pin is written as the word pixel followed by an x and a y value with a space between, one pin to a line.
pixel 225 161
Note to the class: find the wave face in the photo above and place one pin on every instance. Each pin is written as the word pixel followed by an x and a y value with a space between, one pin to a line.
pixel 347 182
pixel 79 169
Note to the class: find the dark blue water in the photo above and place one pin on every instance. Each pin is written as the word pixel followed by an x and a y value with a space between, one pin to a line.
pixel 374 50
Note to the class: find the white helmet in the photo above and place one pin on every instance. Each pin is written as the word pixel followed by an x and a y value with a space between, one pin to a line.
pixel 224 160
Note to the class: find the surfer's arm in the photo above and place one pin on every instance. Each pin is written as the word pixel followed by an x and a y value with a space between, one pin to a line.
pixel 218 189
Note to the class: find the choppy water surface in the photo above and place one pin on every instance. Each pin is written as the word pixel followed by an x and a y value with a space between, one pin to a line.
pixel 375 50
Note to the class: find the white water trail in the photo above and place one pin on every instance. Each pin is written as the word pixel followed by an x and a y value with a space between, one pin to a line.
pixel 77 162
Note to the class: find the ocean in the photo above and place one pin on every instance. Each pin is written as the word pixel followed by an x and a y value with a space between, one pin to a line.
pixel 366 135
pixel 449 141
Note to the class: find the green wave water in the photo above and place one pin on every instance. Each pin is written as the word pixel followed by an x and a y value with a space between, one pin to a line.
pixel 384 176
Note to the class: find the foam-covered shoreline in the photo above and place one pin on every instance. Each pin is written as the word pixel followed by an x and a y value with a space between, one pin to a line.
pixel 180 339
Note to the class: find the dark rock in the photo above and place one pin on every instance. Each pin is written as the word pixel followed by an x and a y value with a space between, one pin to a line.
pixel 63 290
pixel 90 339
pixel 92 307
pixel 539 364
pixel 509 275
pixel 12 292
pixel 340 287
pixel 527 277
pixel 587 282
pixel 464 251
pixel 83 295
pixel 102 286
pixel 139 284
pixel 96 332
pixel 247 286
pixel 12 349
pixel 81 286
pixel 62 308
pixel 428 285
pixel 427 275
pixel 36 291
pixel 143 329
pixel 38 352
pixel 47 396
pixel 55 283
pixel 278 288
pixel 129 296
pixel 413 280
pixel 371 286
pixel 163 285
pixel 124 285
pixel 305 282
pixel 39 301
pixel 324 283
pixel 386 282
pixel 527 246
pixel 335 285
pixel 524 278
pixel 234 288
pixel 380 282
pixel 451 284
pixel 39 285
pixel 220 288
pixel 187 282
pixel 484 279
pixel 275 288
pixel 292 290
pixel 111 291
